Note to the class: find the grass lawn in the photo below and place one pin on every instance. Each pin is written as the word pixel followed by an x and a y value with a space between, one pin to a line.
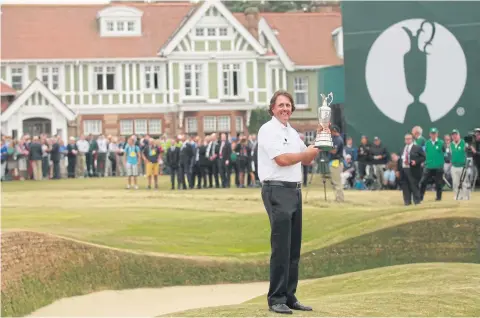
pixel 213 222
pixel 208 236
pixel 419 290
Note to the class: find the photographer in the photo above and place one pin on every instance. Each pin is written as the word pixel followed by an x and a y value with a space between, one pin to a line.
pixel 472 142
pixel 458 158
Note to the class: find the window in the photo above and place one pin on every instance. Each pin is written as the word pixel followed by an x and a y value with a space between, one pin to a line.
pixel 310 136
pixel 154 126
pixel 120 26
pixel 231 80
pixel 192 79
pixel 192 125
pixel 223 31
pixel 110 26
pixel 209 123
pixel 93 127
pixel 50 77
pixel 141 126
pixel 223 123
pixel 17 78
pixel 301 91
pixel 130 26
pixel 126 127
pixel 239 124
pixel 199 32
pixel 152 75
pixel 104 77
pixel 211 31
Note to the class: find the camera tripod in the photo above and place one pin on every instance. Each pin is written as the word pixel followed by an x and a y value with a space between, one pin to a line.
pixel 463 175
pixel 325 173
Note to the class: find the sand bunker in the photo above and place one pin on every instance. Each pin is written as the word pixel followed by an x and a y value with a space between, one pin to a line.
pixel 151 302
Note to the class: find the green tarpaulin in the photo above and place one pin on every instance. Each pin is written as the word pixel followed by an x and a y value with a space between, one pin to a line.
pixel 411 63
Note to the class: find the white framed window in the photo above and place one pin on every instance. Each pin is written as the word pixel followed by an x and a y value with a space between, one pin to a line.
pixel 300 91
pixel 209 124
pixel 126 127
pixel 93 127
pixel 104 78
pixel 152 77
pixel 310 136
pixel 223 31
pixel 199 32
pixel 211 31
pixel 17 78
pixel 223 123
pixel 192 125
pixel 193 80
pixel 120 26
pixel 154 126
pixel 231 80
pixel 110 26
pixel 140 126
pixel 51 77
pixel 131 26
pixel 239 124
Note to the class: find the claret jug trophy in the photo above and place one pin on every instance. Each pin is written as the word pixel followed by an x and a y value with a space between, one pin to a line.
pixel 323 140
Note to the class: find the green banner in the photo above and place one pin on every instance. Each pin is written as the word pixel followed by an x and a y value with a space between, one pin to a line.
pixel 411 63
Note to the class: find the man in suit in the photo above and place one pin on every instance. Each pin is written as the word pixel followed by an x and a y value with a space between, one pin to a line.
pixel 410 170
pixel 185 169
pixel 212 154
pixel 55 157
pixel 198 171
pixel 172 159
pixel 224 153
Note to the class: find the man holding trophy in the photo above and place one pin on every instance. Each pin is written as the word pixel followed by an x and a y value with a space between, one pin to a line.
pixel 334 146
pixel 281 154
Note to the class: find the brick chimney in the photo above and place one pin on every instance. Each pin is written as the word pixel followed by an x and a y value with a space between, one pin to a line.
pixel 252 16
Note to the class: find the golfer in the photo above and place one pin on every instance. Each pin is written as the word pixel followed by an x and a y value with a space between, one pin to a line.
pixel 281 154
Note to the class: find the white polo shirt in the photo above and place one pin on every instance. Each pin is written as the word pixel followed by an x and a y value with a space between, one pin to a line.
pixel 275 139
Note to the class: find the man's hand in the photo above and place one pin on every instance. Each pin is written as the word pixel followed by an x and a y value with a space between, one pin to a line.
pixel 413 163
pixel 311 153
pixel 397 174
pixel 226 163
pixel 473 150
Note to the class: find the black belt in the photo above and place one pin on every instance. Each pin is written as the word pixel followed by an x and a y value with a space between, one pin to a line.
pixel 285 184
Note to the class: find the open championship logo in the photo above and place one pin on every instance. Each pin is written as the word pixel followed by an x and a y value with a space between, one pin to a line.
pixel 416 67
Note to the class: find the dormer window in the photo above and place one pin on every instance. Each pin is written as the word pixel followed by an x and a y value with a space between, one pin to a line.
pixel 120 21
pixel 211 32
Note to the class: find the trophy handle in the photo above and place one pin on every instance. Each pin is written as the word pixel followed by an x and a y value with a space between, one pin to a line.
pixel 330 96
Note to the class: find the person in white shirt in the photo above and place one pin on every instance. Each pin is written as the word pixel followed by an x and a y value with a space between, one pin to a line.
pixel 102 155
pixel 281 154
pixel 83 147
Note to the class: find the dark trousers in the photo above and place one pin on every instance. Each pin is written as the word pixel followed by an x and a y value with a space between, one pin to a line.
pixel 305 175
pixel 71 167
pixel 223 171
pixel 437 176
pixel 410 188
pixel 184 173
pixel 56 169
pixel 233 168
pixel 199 175
pixel 173 173
pixel 45 167
pixel 113 163
pixel 101 161
pixel 213 173
pixel 284 208
pixel 90 159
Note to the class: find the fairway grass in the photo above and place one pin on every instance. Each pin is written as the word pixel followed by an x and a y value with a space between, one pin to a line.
pixel 418 290
pixel 92 235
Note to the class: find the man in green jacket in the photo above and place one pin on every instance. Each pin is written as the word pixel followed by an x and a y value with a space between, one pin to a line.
pixel 434 152
pixel 457 148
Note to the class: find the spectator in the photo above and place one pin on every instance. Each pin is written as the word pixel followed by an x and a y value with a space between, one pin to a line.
pixel 22 159
pixel 389 175
pixel 112 156
pixel 351 150
pixel 132 153
pixel 447 166
pixel 36 155
pixel 364 157
pixel 72 152
pixel 83 147
pixel 102 155
pixel 379 156
pixel 348 174
pixel 4 157
pixel 151 154
pixel 419 140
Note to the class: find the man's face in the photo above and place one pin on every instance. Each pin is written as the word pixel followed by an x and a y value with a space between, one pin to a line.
pixel 455 137
pixel 224 137
pixel 477 136
pixel 282 110
pixel 363 140
pixel 408 139
pixel 349 142
pixel 254 137
pixel 394 157
pixel 377 142
pixel 433 136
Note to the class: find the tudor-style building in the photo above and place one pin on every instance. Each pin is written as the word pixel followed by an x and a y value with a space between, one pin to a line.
pixel 162 67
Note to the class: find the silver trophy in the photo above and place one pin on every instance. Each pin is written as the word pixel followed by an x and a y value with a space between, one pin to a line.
pixel 324 139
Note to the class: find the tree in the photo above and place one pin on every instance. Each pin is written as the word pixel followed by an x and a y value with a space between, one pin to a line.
pixel 258 117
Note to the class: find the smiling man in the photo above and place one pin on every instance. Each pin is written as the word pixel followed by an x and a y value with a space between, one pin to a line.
pixel 281 154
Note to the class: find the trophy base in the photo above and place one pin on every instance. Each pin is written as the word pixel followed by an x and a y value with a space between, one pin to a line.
pixel 324 142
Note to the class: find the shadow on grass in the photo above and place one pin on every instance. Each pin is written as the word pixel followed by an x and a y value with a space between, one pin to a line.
pixel 44 268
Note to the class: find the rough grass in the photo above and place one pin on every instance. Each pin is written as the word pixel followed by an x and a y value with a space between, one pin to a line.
pixel 419 290
pixel 220 235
